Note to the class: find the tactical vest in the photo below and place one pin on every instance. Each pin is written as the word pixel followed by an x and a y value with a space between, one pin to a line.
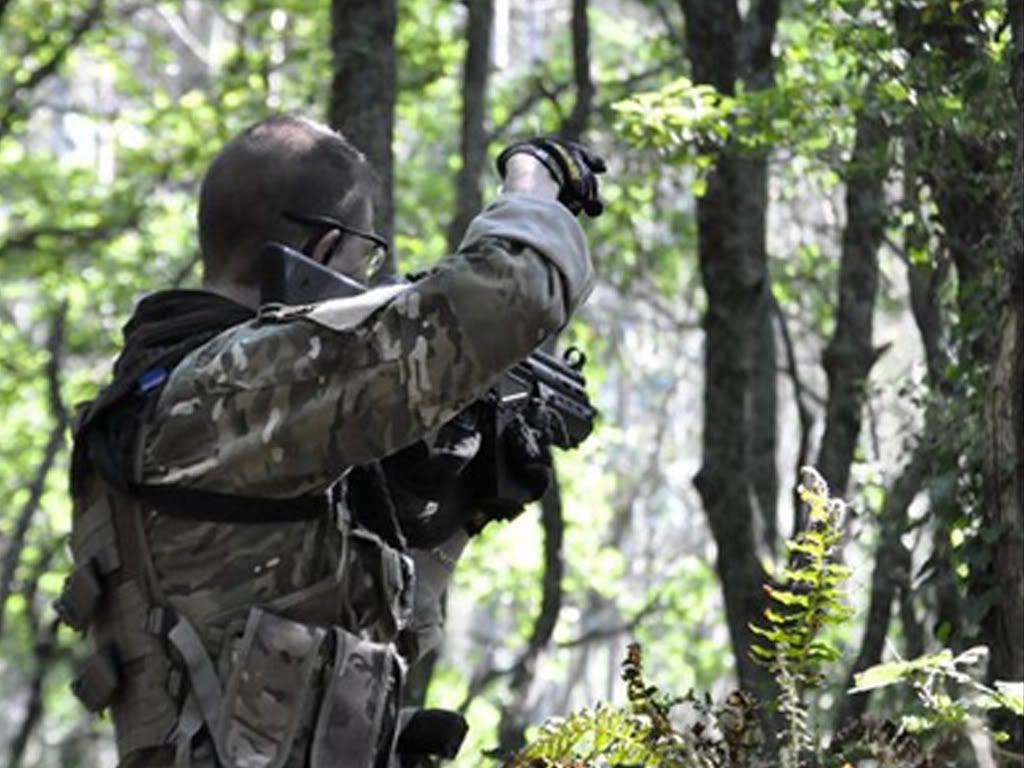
pixel 264 641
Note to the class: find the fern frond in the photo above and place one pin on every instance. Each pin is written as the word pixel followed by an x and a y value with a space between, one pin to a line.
pixel 806 598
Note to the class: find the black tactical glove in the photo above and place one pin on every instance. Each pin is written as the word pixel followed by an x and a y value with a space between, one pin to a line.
pixel 429 732
pixel 529 457
pixel 424 481
pixel 573 167
pixel 526 465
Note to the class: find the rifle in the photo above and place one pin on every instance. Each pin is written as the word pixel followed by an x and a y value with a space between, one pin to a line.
pixel 548 392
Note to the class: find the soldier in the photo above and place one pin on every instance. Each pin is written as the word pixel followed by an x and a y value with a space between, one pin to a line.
pixel 255 578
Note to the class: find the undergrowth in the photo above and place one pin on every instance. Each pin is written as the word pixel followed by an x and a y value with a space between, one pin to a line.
pixel 654 729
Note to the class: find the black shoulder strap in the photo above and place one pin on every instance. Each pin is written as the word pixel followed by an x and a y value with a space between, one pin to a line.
pixel 213 507
pixel 164 329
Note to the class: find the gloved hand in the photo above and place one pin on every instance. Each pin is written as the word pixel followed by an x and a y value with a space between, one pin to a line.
pixel 429 732
pixel 526 464
pixel 573 167
pixel 529 458
pixel 424 478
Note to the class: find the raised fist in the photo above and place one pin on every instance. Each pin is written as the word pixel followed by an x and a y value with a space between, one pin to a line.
pixel 573 167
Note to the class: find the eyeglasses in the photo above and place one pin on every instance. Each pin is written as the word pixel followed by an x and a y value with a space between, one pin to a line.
pixel 324 224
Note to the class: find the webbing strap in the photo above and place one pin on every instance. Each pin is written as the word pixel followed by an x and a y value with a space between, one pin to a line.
pixel 206 690
pixel 211 507
pixel 190 720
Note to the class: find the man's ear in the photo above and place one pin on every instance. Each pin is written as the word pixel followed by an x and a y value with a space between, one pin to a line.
pixel 322 250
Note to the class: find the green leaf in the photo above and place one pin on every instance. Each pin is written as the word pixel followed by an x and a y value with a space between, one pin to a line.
pixel 1011 695
pixel 882 675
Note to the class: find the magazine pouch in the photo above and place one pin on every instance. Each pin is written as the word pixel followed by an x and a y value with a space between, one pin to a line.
pixel 271 688
pixel 357 724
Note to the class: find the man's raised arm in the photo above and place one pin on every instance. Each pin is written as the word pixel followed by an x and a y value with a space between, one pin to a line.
pixel 284 404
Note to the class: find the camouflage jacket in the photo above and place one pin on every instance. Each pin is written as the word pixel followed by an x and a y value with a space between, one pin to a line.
pixel 283 406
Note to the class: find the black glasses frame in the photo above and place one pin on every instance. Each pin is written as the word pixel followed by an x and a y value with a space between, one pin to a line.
pixel 326 223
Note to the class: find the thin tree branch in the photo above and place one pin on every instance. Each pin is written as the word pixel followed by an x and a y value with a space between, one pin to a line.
pixel 603 633
pixel 12 556
pixel 45 651
pixel 850 356
pixel 185 272
pixel 575 124
pixel 27 238
pixel 528 102
pixel 180 29
pixel 473 137
pixel 804 413
pixel 551 603
pixel 542 90
pixel 31 589
pixel 648 477
pixel 671 29
pixel 913 632
pixel 48 67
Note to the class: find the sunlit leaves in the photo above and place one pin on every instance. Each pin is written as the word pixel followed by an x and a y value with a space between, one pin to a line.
pixel 945 685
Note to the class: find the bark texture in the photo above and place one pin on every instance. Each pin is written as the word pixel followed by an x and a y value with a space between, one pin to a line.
pixel 850 355
pixel 1004 466
pixel 576 123
pixel 978 199
pixel 764 473
pixel 723 48
pixel 473 142
pixel 364 88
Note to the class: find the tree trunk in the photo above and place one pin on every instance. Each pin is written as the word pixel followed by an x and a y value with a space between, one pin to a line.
pixel 514 715
pixel 978 198
pixel 886 576
pixel 1004 463
pixel 850 355
pixel 731 244
pixel 364 89
pixel 468 198
pixel 576 123
pixel 764 472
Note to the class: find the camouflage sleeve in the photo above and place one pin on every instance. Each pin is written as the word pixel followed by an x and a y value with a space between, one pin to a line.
pixel 284 404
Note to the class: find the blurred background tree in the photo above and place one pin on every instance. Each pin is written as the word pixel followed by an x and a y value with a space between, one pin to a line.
pixel 812 254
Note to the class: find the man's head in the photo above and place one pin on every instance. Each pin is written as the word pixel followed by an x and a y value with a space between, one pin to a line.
pixel 281 165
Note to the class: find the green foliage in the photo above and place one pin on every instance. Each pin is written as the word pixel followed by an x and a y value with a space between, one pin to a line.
pixel 806 600
pixel 807 595
pixel 644 731
pixel 952 697
pixel 656 729
pixel 98 219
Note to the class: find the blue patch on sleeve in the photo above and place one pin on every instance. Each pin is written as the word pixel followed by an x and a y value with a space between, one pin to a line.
pixel 154 377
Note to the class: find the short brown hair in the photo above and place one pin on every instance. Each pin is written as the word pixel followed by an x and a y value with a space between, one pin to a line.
pixel 282 163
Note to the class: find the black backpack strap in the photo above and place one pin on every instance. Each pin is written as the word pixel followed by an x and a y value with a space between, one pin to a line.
pixel 208 506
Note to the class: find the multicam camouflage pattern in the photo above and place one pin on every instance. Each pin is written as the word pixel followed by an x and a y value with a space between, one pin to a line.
pixel 270 692
pixel 214 572
pixel 283 405
pixel 362 698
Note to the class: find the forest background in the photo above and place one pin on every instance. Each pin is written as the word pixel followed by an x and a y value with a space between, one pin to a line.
pixel 811 254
